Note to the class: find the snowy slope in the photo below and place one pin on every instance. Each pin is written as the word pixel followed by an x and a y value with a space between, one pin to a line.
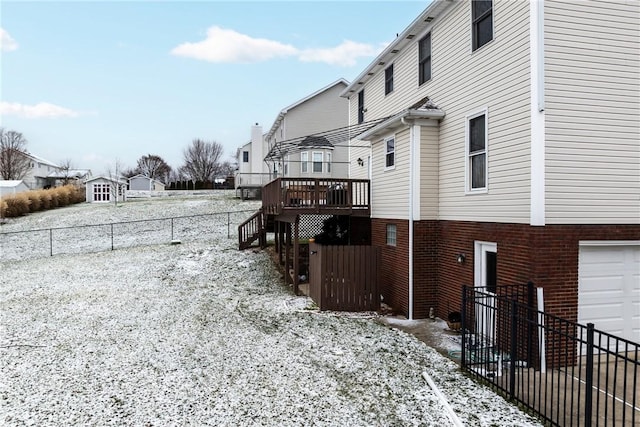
pixel 203 334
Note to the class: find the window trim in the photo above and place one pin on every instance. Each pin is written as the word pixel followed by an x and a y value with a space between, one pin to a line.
pixel 304 162
pixel 386 152
pixel 467 155
pixel 421 61
pixel 328 157
pixel 391 235
pixel 388 80
pixel 245 156
pixel 474 23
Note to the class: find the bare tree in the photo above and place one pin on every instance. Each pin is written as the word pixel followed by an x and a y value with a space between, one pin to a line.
pixel 14 163
pixel 66 166
pixel 117 186
pixel 226 169
pixel 201 160
pixel 154 166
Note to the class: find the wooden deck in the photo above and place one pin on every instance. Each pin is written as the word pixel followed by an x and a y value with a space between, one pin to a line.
pixel 299 196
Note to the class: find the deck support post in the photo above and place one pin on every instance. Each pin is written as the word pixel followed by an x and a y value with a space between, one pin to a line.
pixel 296 256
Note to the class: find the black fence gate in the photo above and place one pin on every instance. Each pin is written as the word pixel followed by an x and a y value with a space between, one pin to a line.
pixel 568 373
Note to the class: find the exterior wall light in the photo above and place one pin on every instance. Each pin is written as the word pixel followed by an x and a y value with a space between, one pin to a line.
pixel 360 161
pixel 461 258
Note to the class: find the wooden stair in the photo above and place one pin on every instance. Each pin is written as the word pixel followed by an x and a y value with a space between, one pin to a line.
pixel 252 230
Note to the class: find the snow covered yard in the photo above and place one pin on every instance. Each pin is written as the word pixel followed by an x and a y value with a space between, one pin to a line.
pixel 203 334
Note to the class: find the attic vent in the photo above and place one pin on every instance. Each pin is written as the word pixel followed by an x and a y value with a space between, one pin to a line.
pixel 381 63
pixel 360 83
pixel 410 36
pixel 395 51
pixel 369 74
pixel 429 19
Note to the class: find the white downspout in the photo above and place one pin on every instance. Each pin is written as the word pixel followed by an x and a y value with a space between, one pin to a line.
pixel 411 193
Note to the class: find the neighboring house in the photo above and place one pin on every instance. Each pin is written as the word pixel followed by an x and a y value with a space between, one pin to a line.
pixel 69 176
pixel 106 189
pixel 144 183
pixel 296 139
pixel 39 171
pixel 509 153
pixel 13 186
pixel 296 136
pixel 252 171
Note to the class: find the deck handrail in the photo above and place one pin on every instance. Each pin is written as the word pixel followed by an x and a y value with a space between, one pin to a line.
pixel 315 195
pixel 251 230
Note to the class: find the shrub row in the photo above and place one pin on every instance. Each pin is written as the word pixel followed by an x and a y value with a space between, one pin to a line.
pixel 40 200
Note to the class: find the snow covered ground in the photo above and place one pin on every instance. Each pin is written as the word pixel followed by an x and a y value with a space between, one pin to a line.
pixel 203 334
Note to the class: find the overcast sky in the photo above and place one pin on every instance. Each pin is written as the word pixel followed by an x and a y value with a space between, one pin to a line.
pixel 96 82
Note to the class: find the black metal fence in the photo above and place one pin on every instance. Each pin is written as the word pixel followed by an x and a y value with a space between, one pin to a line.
pixel 45 242
pixel 568 373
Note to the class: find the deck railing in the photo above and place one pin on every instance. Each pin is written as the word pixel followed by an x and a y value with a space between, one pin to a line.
pixel 251 230
pixel 316 195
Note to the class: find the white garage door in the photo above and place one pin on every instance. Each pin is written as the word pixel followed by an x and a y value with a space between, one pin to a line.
pixel 609 288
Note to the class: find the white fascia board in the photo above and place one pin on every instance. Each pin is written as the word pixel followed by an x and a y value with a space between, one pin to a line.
pixel 396 121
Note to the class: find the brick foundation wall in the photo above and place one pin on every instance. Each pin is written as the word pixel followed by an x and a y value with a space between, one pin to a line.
pixel 394 270
pixel 547 256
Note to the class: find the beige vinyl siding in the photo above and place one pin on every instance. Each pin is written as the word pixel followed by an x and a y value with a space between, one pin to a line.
pixel 390 198
pixel 495 77
pixel 592 108
pixel 360 149
pixel 325 111
pixel 429 172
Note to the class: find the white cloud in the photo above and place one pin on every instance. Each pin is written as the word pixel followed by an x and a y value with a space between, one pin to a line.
pixel 223 45
pixel 7 43
pixel 40 110
pixel 229 46
pixel 345 54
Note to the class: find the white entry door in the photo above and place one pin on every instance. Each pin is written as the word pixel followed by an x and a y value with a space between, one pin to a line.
pixel 485 281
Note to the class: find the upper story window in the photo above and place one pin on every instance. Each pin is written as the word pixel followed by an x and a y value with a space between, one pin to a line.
pixel 304 162
pixel 245 156
pixel 317 161
pixel 328 155
pixel 390 152
pixel 481 22
pixel 476 165
pixel 388 80
pixel 424 59
pixel 286 165
pixel 361 106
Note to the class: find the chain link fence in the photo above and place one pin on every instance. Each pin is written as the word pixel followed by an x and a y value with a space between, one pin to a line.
pixel 18 245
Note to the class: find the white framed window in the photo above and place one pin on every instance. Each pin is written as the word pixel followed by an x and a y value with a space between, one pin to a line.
pixel 481 23
pixel 424 59
pixel 328 155
pixel 304 162
pixel 392 234
pixel 245 157
pixel 476 150
pixel 317 162
pixel 286 165
pixel 388 80
pixel 390 152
